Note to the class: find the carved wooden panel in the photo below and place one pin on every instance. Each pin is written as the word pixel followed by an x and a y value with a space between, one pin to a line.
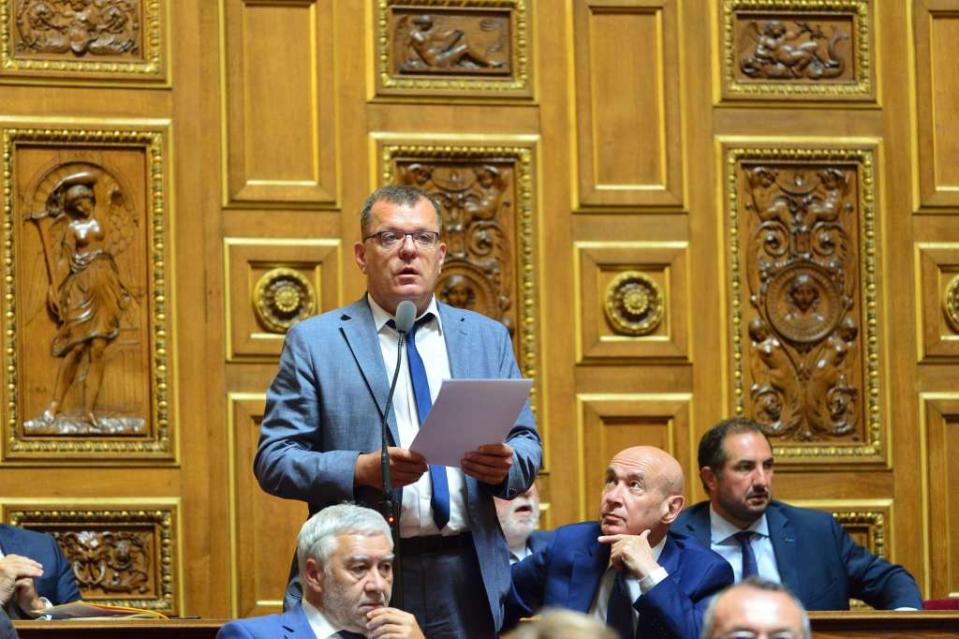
pixel 122 554
pixel 937 47
pixel 476 48
pixel 263 528
pixel 280 142
pixel 628 122
pixel 819 50
pixel 802 240
pixel 608 423
pixel 86 307
pixel 632 300
pixel 939 424
pixel 112 40
pixel 272 284
pixel 937 298
pixel 485 195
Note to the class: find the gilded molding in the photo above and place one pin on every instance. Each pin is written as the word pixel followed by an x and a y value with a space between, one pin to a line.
pixel 151 67
pixel 162 520
pixel 282 297
pixel 950 303
pixel 873 521
pixel 633 304
pixel 861 88
pixel 863 158
pixel 161 315
pixel 523 158
pixel 518 81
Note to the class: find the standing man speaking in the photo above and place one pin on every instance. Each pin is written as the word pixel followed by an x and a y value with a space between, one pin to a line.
pixel 320 437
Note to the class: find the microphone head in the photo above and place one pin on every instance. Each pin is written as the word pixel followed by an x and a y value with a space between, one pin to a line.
pixel 405 315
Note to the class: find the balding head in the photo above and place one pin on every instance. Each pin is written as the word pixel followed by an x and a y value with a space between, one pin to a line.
pixel 759 606
pixel 643 491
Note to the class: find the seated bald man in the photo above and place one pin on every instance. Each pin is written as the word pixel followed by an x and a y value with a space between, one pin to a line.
pixel 627 569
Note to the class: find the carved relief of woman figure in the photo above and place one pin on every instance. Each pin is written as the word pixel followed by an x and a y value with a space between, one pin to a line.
pixel 86 297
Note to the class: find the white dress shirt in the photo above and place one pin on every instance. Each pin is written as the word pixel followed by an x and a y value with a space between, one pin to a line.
pixel 722 541
pixel 416 515
pixel 635 586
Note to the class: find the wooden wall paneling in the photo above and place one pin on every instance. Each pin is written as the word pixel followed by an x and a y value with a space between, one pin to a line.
pixel 939 438
pixel 937 299
pixel 629 137
pixel 632 300
pixel 609 422
pixel 279 116
pixel 263 528
pixel 273 283
pixel 936 24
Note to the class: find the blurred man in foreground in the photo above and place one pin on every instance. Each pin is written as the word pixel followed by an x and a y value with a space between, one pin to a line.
pixel 756 608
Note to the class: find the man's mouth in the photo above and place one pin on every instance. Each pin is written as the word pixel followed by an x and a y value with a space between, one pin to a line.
pixel 523 509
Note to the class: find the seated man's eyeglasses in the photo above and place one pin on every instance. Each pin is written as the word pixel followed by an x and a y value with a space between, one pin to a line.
pixel 391 238
pixel 749 634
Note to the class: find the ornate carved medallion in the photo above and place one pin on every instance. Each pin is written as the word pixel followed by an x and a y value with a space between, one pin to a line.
pixel 950 303
pixel 634 304
pixel 281 298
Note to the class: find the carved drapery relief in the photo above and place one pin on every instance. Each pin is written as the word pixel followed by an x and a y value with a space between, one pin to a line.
pixel 121 557
pixel 78 27
pixel 281 298
pixel 633 304
pixel 802 49
pixel 950 303
pixel 806 353
pixel 473 46
pixel 88 362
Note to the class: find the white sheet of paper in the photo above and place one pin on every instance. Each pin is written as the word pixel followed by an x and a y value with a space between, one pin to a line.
pixel 468 413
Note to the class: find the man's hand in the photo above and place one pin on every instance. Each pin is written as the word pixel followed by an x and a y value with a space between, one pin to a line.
pixel 405 468
pixel 15 571
pixel 489 463
pixel 27 597
pixel 631 553
pixel 392 623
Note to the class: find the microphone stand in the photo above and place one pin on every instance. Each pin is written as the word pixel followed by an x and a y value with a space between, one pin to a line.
pixel 388 507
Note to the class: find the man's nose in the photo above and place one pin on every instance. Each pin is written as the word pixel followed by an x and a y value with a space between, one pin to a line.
pixel 407 245
pixel 613 495
pixel 376 582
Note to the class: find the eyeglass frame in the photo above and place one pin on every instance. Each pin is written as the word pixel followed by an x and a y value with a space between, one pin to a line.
pixel 401 238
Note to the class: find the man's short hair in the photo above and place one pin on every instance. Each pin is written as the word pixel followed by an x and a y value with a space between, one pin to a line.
pixel 557 623
pixel 401 194
pixel 712 453
pixel 756 583
pixel 317 538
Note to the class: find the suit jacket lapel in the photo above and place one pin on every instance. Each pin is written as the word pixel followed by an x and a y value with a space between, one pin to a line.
pixel 454 331
pixel 699 526
pixel 357 327
pixel 783 538
pixel 586 575
pixel 669 557
pixel 296 625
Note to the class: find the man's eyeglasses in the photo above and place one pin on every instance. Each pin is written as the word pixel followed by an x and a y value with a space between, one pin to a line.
pixel 390 239
pixel 749 634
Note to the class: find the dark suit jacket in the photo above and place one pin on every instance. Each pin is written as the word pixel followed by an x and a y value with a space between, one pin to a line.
pixel 325 406
pixel 567 574
pixel 292 624
pixel 58 583
pixel 819 562
pixel 539 539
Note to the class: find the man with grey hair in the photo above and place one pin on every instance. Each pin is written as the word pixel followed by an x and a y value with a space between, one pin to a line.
pixel 345 557
pixel 756 608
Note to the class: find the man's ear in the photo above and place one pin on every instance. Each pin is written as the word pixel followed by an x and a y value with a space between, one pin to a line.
pixel 672 506
pixel 710 480
pixel 359 254
pixel 314 576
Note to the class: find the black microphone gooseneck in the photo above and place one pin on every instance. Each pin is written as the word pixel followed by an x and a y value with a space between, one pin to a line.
pixel 405 316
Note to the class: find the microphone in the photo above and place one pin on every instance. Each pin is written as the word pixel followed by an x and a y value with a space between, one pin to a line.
pixel 404 317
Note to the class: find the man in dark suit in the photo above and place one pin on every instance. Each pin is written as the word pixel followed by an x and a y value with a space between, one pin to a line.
pixel 519 519
pixel 807 550
pixel 628 569
pixel 345 558
pixel 320 437
pixel 34 573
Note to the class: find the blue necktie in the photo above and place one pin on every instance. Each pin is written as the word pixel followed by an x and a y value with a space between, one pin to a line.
pixel 440 501
pixel 749 557
pixel 619 610
pixel 346 634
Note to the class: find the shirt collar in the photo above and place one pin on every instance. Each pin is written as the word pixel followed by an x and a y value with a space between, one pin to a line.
pixel 721 529
pixel 381 317
pixel 321 626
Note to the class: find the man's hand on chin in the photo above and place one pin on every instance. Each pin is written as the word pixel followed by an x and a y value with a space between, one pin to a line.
pixel 392 623
pixel 631 553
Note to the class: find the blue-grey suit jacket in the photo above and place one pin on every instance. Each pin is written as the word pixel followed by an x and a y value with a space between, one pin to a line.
pixel 325 406
pixel 818 561
pixel 567 574
pixel 58 583
pixel 292 624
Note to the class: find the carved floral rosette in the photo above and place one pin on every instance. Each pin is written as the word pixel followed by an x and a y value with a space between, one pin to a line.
pixel 797 49
pixel 478 48
pixel 123 557
pixel 121 40
pixel 802 239
pixel 110 290
pixel 283 297
pixel 485 195
pixel 950 303
pixel 634 304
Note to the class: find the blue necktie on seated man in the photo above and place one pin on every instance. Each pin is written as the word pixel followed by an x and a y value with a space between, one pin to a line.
pixel 619 609
pixel 750 566
pixel 440 500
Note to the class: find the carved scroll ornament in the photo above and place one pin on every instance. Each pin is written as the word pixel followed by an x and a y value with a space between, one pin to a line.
pixel 950 303
pixel 634 304
pixel 80 27
pixel 283 297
